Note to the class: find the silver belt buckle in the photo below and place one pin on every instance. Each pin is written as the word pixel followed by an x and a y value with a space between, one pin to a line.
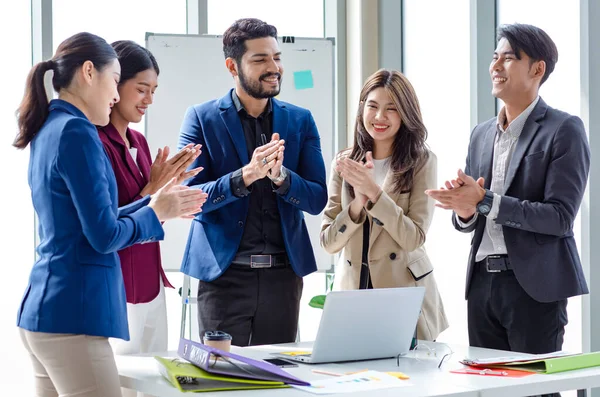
pixel 261 261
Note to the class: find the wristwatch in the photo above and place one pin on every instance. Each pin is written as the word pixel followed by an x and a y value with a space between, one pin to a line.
pixel 282 175
pixel 485 206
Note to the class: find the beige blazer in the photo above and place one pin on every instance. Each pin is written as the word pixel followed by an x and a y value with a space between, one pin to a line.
pixel 397 257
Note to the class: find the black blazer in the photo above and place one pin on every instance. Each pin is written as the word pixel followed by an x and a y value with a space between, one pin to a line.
pixel 544 186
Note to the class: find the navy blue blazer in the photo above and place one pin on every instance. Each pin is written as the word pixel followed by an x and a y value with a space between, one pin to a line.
pixel 76 285
pixel 544 186
pixel 216 232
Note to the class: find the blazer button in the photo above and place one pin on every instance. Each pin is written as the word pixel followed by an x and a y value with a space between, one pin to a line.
pixel 240 224
pixel 518 224
pixel 392 256
pixel 507 223
pixel 214 201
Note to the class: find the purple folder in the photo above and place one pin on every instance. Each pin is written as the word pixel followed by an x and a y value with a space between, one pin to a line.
pixel 225 363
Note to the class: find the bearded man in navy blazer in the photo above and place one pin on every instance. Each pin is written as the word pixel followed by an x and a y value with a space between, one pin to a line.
pixel 523 183
pixel 263 168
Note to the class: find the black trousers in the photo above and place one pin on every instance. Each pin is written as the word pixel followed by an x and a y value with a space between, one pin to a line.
pixel 254 306
pixel 501 315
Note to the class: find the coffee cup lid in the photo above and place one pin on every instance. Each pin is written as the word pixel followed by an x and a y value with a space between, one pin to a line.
pixel 217 335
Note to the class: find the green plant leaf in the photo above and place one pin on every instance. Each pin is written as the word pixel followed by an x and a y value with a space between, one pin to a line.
pixel 317 301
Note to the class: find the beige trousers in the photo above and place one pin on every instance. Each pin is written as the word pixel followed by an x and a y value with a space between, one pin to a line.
pixel 147 331
pixel 67 365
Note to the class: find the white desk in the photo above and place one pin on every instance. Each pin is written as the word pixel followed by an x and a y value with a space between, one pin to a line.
pixel 140 373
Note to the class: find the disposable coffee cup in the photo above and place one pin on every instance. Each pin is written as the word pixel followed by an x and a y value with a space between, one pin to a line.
pixel 217 339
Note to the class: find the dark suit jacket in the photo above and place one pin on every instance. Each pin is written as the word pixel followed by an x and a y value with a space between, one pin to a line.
pixel 216 232
pixel 544 187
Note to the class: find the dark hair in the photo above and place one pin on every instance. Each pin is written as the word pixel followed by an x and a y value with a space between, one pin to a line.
pixel 409 150
pixel 133 59
pixel 234 38
pixel 533 41
pixel 70 55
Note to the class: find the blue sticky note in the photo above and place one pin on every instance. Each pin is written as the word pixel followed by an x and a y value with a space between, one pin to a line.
pixel 303 79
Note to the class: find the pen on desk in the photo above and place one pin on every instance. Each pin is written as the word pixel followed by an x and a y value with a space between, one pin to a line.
pixel 485 372
pixel 318 371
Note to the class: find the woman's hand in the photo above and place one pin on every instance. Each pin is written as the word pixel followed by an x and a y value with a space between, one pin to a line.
pixel 175 201
pixel 163 170
pixel 357 205
pixel 360 176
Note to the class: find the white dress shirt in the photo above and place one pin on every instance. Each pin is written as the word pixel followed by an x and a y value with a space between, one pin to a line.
pixel 505 143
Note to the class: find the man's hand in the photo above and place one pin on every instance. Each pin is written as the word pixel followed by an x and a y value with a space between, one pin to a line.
pixel 360 176
pixel 263 159
pixel 460 195
pixel 276 170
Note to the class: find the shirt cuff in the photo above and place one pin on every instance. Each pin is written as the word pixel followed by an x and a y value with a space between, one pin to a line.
pixel 493 214
pixel 236 182
pixel 465 225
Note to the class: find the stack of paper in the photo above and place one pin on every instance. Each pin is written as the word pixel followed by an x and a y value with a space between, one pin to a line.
pixel 541 363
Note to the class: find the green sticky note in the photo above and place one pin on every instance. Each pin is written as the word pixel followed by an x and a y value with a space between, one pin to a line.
pixel 303 79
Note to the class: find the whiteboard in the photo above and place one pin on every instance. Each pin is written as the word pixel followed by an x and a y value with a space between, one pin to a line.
pixel 192 71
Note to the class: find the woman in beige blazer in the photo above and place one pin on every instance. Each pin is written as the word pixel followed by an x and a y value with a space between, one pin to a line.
pixel 377 190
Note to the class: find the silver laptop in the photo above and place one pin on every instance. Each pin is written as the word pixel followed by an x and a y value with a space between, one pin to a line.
pixel 365 324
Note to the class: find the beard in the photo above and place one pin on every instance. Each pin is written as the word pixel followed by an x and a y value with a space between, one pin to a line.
pixel 255 88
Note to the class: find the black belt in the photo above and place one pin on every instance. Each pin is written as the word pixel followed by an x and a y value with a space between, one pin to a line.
pixel 262 261
pixel 495 263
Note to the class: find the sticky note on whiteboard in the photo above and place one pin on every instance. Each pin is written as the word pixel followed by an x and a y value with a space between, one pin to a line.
pixel 303 79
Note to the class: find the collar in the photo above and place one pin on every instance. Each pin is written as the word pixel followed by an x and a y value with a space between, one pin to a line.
pixel 239 107
pixel 114 135
pixel 68 107
pixel 516 126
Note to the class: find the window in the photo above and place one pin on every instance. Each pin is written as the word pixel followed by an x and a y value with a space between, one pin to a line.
pixel 16 375
pixel 297 18
pixel 119 20
pixel 436 61
pixel 560 19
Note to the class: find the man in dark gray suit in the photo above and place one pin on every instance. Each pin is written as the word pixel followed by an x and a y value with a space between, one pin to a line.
pixel 531 164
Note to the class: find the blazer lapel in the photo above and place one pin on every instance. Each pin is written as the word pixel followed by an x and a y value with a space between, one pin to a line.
pixel 114 136
pixel 388 187
pixel 141 166
pixel 487 156
pixel 233 124
pixel 530 129
pixel 280 119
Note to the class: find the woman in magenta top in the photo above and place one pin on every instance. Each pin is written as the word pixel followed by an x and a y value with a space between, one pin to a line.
pixel 137 176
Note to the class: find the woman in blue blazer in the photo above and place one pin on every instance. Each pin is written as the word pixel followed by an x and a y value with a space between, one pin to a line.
pixel 75 299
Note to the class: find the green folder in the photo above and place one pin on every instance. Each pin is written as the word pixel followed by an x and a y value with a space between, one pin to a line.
pixel 188 378
pixel 549 365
